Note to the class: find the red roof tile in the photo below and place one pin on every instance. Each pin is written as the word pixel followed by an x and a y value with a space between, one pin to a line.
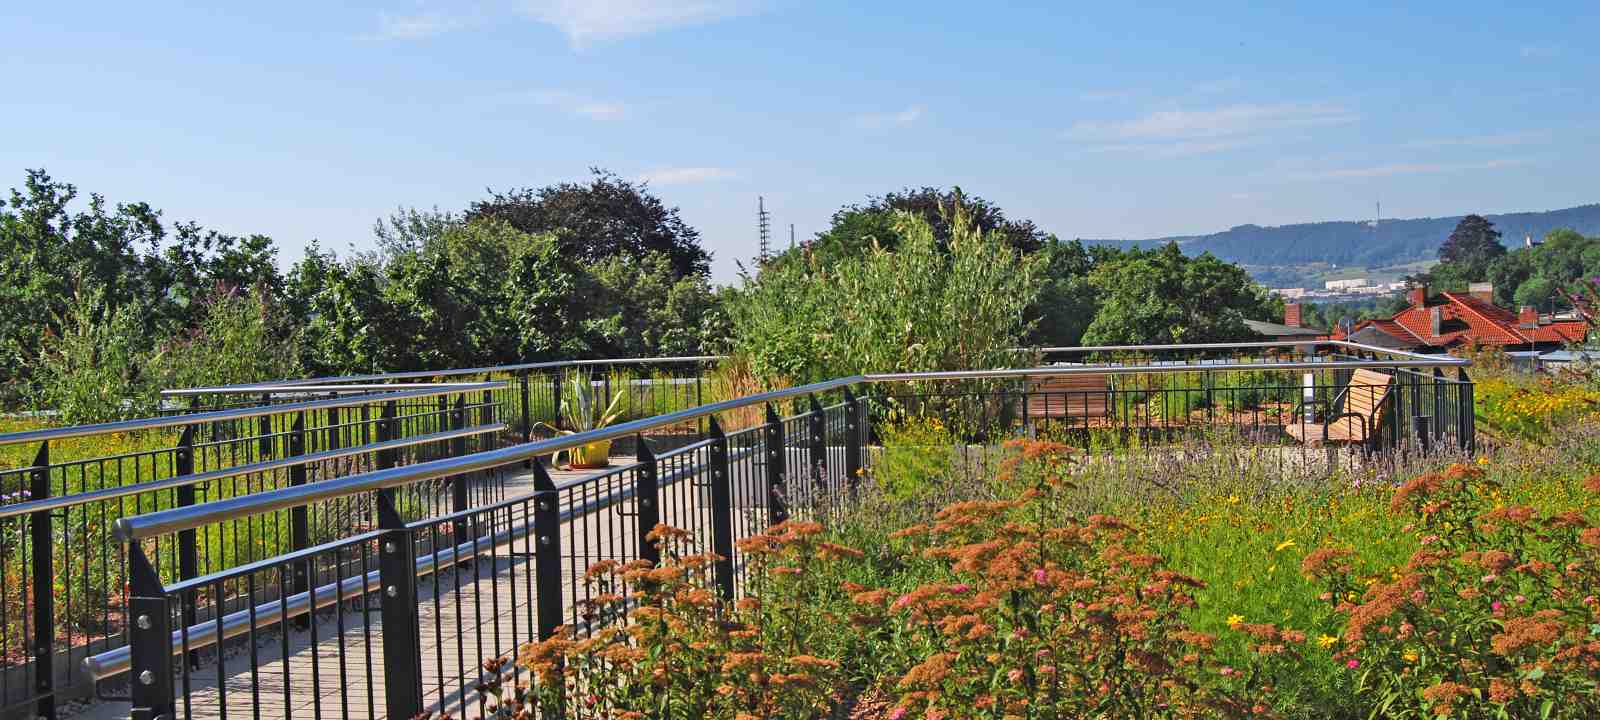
pixel 1467 319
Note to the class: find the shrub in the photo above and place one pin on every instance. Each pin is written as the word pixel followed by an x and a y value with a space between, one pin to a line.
pixel 93 371
pixel 1494 615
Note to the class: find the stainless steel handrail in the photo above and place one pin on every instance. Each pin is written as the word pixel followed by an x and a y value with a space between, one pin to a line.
pixel 316 389
pixel 169 521
pixel 155 423
pixel 113 493
pixel 411 374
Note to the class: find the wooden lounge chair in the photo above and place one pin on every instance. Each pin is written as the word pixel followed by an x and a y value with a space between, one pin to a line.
pixel 1070 396
pixel 1363 415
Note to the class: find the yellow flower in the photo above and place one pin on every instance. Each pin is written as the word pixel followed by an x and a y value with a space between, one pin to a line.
pixel 1483 461
pixel 1410 656
pixel 1235 620
pixel 1284 545
pixel 1326 641
pixel 1233 499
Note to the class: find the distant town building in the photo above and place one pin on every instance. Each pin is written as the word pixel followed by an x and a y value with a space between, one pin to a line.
pixel 1346 284
pixel 1289 330
pixel 1455 319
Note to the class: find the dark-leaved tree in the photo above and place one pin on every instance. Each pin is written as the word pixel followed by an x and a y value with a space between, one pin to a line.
pixel 607 217
pixel 854 229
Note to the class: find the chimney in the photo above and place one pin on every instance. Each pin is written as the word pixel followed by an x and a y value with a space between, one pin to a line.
pixel 1482 291
pixel 1417 296
pixel 1436 319
pixel 1291 314
pixel 1527 317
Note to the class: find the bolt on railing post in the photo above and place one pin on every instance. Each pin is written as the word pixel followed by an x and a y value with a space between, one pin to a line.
pixel 721 509
pixel 42 538
pixel 817 446
pixel 188 546
pixel 855 432
pixel 777 511
pixel 402 635
pixel 149 640
pixel 299 518
pixel 646 500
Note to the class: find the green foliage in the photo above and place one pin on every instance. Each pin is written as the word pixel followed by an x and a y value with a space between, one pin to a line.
pixel 1164 296
pixel 856 230
pixel 609 217
pixel 242 337
pixel 92 370
pixel 919 307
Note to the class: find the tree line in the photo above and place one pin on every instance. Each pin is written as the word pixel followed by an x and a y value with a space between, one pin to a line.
pixel 101 305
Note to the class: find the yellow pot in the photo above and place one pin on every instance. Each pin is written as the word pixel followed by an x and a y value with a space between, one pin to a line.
pixel 588 457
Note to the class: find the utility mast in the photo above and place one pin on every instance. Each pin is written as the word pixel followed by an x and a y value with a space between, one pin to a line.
pixel 764 223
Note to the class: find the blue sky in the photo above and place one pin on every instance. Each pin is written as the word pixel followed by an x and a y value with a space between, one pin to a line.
pixel 310 120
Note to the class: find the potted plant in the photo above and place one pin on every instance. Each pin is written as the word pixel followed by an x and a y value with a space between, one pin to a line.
pixel 580 412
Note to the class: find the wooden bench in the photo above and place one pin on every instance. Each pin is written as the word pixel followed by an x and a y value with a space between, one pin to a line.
pixel 1070 396
pixel 1362 414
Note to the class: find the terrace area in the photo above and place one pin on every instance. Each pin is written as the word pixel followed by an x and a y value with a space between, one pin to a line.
pixel 357 546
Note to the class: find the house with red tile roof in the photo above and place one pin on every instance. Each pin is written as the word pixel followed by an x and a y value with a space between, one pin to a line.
pixel 1454 319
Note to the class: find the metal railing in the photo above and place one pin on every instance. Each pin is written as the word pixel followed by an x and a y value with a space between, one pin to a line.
pixel 454 589
pixel 65 592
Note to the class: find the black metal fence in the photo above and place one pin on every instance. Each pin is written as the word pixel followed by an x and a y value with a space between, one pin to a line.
pixel 394 620
pixel 65 595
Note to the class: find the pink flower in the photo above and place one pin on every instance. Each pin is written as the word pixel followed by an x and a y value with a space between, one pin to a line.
pixel 1520 599
pixel 1226 671
pixel 1353 664
pixel 1039 576
pixel 897 713
pixel 901 602
pixel 1495 606
pixel 1015 676
pixel 959 588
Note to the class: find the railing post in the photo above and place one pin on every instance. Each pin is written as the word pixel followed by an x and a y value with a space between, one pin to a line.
pixel 458 483
pixel 299 518
pixel 547 556
pixel 1467 422
pixel 1422 428
pixel 855 432
pixel 721 509
pixel 527 413
pixel 384 431
pixel 777 510
pixel 555 398
pixel 264 429
pixel 149 640
pixel 1438 403
pixel 188 546
pixel 42 538
pixel 647 501
pixel 817 446
pixel 402 636
pixel 488 415
pixel 547 585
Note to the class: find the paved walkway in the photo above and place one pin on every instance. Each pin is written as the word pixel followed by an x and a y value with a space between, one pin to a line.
pixel 468 613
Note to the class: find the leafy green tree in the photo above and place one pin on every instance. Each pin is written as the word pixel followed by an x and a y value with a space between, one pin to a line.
pixel 608 217
pixel 856 229
pixel 1534 292
pixel 1164 296
pixel 1068 298
pixel 926 305
pixel 91 369
pixel 242 336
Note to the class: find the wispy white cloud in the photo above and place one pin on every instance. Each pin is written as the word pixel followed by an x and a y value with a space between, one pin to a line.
pixel 589 21
pixel 1496 140
pixel 902 118
pixel 685 175
pixel 1408 169
pixel 416 27
pixel 567 102
pixel 1180 133
pixel 1229 121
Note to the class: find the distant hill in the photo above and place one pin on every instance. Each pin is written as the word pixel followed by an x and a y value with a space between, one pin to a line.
pixel 1392 242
